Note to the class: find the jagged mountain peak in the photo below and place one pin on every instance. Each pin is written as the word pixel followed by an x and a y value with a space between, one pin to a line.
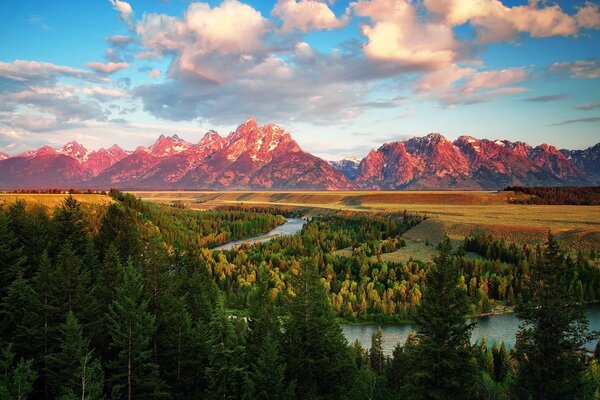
pixel 75 150
pixel 168 145
pixel 267 157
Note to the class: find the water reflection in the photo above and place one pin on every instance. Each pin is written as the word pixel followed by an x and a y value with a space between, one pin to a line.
pixel 496 327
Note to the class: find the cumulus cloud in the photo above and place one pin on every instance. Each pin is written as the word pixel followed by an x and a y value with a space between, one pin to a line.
pixel 306 15
pixel 108 68
pixel 588 16
pixel 124 9
pixel 397 34
pixel 578 69
pixel 494 21
pixel 154 73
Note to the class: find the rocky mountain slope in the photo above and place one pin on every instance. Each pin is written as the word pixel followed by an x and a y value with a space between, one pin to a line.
pixel 267 157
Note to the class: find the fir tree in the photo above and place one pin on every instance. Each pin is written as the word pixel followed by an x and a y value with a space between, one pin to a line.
pixel 316 349
pixel 69 284
pixel 131 326
pixel 104 293
pixel 226 371
pixel 376 357
pixel 120 229
pixel 267 369
pixel 70 226
pixel 11 254
pixel 73 371
pixel 553 332
pixel 442 363
pixel 18 317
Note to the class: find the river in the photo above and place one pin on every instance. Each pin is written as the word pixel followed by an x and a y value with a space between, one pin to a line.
pixel 494 327
pixel 290 227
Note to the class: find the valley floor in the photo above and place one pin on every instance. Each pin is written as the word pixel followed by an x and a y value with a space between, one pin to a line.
pixel 457 213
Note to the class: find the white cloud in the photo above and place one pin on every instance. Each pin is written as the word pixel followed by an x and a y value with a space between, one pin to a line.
pixel 107 68
pixel 306 15
pixel 495 21
pixel 154 73
pixel 124 9
pixel 397 34
pixel 104 93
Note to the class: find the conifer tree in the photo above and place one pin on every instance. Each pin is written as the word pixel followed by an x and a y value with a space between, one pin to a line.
pixel 226 371
pixel 442 363
pixel 69 284
pixel 266 367
pixel 11 254
pixel 73 372
pixel 554 328
pixel 18 317
pixel 316 349
pixel 131 326
pixel 104 293
pixel 376 357
pixel 502 362
pixel 70 226
pixel 120 229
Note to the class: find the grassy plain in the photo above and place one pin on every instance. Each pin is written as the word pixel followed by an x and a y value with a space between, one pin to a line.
pixel 456 213
pixel 53 200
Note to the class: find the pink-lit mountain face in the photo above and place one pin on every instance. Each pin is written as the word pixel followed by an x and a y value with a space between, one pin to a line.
pixel 267 157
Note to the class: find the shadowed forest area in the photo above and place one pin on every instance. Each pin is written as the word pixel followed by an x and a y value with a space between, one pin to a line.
pixel 127 301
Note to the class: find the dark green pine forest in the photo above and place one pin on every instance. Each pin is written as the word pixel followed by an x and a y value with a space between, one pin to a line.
pixel 128 301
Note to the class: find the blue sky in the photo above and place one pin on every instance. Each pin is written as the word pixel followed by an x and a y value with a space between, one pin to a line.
pixel 343 77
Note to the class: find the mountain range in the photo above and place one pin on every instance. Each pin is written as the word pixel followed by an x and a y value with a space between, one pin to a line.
pixel 266 157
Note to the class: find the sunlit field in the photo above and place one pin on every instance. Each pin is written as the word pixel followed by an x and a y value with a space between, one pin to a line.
pixel 457 213
pixel 53 200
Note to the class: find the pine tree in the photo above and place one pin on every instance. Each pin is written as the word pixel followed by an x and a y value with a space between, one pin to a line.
pixel 263 349
pixel 502 362
pixel 44 336
pixel 158 288
pixel 70 226
pixel 16 381
pixel 18 317
pixel 442 363
pixel 553 331
pixel 376 357
pixel 120 229
pixel 72 371
pixel 69 284
pixel 226 371
pixel 104 293
pixel 316 349
pixel 131 326
pixel 11 254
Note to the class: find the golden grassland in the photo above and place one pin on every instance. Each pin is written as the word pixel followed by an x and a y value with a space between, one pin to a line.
pixel 456 213
pixel 53 200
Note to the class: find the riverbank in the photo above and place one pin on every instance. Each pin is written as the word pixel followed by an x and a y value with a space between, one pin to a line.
pixel 390 320
pixel 290 227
